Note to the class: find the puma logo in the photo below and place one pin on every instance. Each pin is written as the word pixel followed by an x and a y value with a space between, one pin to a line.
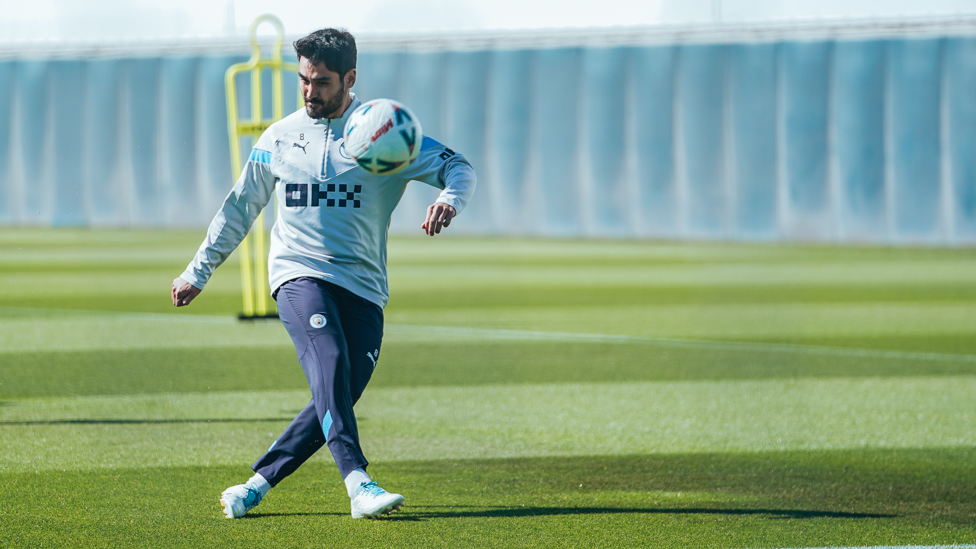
pixel 374 356
pixel 302 147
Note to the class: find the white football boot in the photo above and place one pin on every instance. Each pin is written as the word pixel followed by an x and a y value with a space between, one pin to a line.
pixel 238 500
pixel 371 501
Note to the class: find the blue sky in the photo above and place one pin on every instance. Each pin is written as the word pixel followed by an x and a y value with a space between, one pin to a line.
pixel 108 20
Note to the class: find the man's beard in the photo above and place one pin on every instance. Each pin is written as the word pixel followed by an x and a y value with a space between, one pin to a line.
pixel 317 108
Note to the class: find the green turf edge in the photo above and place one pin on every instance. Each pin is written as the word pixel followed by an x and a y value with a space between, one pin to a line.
pixel 404 364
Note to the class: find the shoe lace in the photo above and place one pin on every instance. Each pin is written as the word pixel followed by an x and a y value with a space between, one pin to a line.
pixel 371 488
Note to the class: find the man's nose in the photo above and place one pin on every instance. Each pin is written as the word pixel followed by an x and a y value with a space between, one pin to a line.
pixel 311 90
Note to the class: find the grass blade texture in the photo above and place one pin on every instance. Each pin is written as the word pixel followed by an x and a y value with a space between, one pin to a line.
pixel 529 393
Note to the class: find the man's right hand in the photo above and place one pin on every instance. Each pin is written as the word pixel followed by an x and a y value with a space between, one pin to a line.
pixel 183 292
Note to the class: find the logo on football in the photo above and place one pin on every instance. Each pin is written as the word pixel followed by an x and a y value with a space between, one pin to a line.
pixel 383 136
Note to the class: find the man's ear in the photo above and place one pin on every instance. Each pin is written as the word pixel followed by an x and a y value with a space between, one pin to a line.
pixel 350 78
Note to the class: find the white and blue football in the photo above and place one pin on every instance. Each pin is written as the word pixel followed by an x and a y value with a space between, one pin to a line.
pixel 383 136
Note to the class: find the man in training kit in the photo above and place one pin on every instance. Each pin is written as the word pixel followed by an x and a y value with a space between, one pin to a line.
pixel 327 265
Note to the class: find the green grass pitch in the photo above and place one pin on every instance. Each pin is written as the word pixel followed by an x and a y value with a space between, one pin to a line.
pixel 530 393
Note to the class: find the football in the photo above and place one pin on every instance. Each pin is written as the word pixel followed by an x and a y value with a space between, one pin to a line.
pixel 383 136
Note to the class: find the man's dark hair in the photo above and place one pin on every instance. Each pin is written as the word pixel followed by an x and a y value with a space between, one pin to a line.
pixel 335 48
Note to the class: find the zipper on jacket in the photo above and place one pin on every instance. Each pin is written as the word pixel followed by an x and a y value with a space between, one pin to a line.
pixel 325 158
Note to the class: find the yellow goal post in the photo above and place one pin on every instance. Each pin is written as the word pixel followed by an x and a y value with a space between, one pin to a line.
pixel 254 279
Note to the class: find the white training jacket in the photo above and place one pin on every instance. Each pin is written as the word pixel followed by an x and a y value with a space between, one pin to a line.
pixel 333 216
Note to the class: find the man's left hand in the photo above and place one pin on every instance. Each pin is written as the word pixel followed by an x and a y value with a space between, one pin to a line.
pixel 439 215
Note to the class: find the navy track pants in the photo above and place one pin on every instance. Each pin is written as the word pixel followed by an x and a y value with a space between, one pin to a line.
pixel 337 335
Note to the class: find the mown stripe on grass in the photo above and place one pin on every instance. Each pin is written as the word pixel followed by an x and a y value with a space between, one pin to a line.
pixel 440 332
pixel 106 331
pixel 408 363
pixel 503 421
pixel 94 330
pixel 668 502
pixel 776 322
pixel 53 314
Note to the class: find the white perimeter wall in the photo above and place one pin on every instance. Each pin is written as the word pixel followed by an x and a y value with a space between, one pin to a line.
pixel 845 132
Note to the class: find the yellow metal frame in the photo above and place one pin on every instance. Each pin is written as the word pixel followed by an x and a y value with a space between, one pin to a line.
pixel 253 269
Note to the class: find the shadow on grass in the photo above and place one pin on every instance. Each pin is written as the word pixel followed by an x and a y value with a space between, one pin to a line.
pixel 516 512
pixel 499 512
pixel 141 421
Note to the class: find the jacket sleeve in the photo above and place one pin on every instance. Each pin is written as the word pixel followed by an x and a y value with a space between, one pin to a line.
pixel 234 219
pixel 439 166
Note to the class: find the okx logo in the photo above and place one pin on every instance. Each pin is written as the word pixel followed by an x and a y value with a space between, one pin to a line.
pixel 297 195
